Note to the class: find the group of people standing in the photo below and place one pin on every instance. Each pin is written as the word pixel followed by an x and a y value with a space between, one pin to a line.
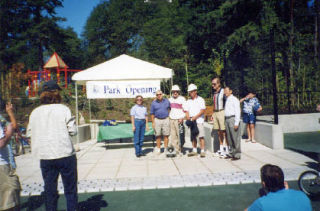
pixel 226 119
pixel 168 115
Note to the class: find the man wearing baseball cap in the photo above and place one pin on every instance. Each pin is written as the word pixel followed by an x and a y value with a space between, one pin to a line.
pixel 176 116
pixel 195 108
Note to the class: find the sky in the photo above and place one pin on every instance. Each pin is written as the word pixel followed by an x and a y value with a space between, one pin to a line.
pixel 76 12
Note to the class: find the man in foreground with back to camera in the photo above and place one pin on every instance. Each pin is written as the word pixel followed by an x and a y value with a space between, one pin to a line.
pixel 50 128
pixel 276 195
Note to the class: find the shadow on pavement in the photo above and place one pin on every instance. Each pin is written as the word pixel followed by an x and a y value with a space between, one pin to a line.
pixel 33 203
pixel 313 155
pixel 94 203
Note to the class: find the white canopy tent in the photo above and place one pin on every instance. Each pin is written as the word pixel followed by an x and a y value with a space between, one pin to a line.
pixel 120 69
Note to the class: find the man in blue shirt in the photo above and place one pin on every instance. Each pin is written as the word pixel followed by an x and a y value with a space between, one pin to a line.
pixel 160 119
pixel 278 195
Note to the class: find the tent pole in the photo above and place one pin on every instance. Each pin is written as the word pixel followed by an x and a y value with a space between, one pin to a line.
pixel 77 148
pixel 89 111
pixel 171 86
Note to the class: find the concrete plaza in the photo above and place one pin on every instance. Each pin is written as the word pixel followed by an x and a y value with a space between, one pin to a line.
pixel 114 169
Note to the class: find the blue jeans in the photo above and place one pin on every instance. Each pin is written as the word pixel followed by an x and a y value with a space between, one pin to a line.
pixel 140 125
pixel 50 170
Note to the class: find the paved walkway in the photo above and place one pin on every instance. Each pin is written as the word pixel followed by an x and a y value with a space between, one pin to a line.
pixel 101 169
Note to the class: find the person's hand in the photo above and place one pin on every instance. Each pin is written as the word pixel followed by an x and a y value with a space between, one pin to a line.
pixel 9 130
pixel 133 128
pixel 236 128
pixel 211 118
pixel 259 109
pixel 180 121
pixel 9 108
pixel 286 185
pixel 147 128
pixel 153 125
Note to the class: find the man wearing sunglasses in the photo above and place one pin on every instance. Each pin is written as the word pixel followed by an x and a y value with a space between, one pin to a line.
pixel 218 116
pixel 160 120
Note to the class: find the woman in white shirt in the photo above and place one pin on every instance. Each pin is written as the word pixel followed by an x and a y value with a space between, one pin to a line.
pixel 50 127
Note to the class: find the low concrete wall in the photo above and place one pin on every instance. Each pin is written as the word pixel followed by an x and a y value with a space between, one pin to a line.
pixel 294 123
pixel 269 135
pixel 84 133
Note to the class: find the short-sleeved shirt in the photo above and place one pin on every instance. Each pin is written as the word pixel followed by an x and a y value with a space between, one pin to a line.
pixel 177 107
pixel 4 153
pixel 250 104
pixel 194 106
pixel 138 111
pixel 285 199
pixel 160 108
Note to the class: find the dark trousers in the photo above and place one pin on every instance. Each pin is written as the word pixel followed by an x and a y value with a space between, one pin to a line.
pixel 67 168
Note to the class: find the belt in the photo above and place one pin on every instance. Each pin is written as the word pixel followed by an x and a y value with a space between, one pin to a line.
pixel 161 118
pixel 228 117
pixel 140 119
pixel 218 110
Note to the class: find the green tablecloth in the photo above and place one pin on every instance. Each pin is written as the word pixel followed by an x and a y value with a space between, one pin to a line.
pixel 119 131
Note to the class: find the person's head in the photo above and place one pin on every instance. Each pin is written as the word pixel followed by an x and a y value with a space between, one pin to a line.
pixel 159 95
pixel 227 91
pixel 139 100
pixel 192 90
pixel 49 93
pixel 216 85
pixel 175 91
pixel 272 177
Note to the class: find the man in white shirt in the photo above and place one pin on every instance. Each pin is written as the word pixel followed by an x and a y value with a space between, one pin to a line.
pixel 195 108
pixel 232 116
pixel 176 116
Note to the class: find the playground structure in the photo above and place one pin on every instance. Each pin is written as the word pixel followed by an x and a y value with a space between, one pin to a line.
pixel 54 64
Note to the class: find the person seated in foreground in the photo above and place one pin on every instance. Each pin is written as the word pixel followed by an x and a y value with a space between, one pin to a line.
pixel 276 195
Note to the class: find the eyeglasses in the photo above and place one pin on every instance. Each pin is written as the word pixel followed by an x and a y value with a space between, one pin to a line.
pixel 139 99
pixel 158 94
pixel 213 84
pixel 175 92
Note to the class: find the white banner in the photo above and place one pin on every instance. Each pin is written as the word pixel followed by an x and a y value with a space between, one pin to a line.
pixel 122 89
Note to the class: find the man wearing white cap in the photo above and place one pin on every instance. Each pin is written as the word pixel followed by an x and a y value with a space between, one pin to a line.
pixel 176 116
pixel 195 108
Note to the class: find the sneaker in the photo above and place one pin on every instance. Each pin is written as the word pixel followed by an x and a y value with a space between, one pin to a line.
pixel 202 154
pixel 156 151
pixel 217 153
pixel 192 153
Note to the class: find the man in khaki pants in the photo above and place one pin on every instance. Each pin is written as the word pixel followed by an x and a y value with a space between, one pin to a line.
pixel 176 116
pixel 218 117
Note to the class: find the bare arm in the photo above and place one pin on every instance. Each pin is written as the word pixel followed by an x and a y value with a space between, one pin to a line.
pixel 152 120
pixel 147 126
pixel 198 115
pixel 9 109
pixel 132 122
